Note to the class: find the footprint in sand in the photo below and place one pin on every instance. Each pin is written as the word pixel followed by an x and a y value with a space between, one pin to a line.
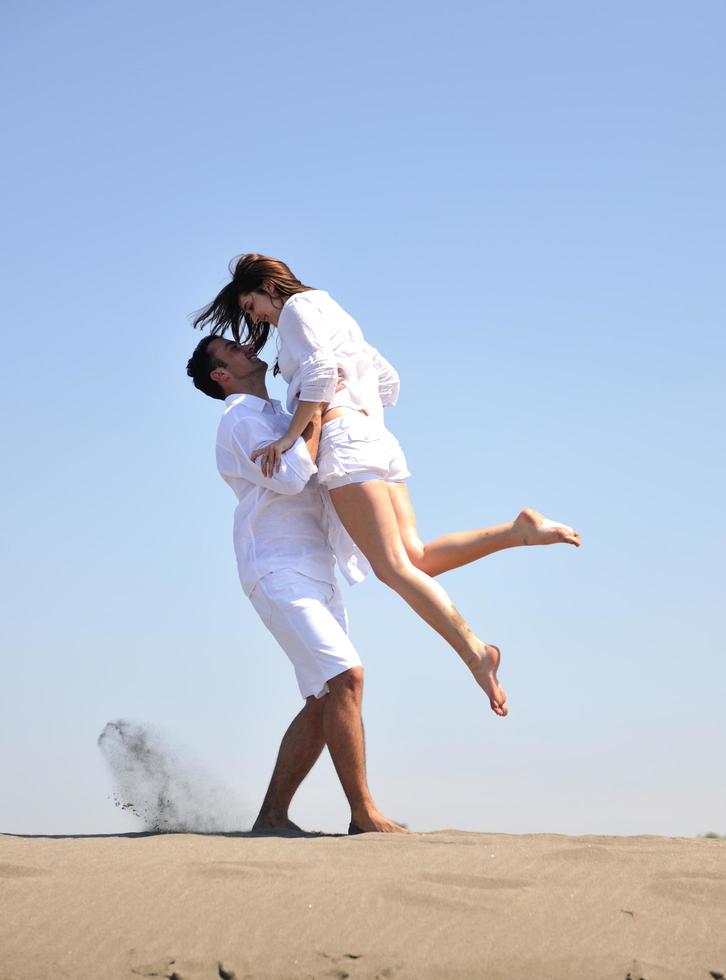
pixel 351 965
pixel 169 969
pixel 161 968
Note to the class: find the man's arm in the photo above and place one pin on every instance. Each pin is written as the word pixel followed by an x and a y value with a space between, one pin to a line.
pixel 295 470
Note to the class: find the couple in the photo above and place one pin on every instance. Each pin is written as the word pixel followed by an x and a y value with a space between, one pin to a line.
pixel 287 529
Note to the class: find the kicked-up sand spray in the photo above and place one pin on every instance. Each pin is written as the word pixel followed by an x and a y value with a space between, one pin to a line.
pixel 164 785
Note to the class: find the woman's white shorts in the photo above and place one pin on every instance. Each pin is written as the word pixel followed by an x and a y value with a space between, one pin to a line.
pixel 309 621
pixel 354 448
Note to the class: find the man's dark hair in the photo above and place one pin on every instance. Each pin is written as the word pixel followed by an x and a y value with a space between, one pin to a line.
pixel 250 273
pixel 201 364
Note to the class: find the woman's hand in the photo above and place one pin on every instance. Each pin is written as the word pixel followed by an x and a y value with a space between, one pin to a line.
pixel 269 456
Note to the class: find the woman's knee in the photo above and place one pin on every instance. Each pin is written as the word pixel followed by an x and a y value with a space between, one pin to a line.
pixel 393 571
pixel 414 549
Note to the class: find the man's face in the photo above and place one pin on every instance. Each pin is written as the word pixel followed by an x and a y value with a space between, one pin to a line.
pixel 238 359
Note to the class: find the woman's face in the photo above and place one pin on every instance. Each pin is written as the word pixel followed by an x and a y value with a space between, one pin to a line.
pixel 260 307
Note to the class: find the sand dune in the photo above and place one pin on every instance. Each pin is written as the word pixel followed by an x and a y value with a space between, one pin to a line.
pixel 447 904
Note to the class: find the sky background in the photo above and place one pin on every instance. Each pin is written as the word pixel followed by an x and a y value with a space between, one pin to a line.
pixel 522 205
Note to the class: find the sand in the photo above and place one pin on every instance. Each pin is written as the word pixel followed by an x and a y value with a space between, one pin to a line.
pixel 446 904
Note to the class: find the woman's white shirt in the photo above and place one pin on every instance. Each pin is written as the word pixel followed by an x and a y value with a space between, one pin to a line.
pixel 317 337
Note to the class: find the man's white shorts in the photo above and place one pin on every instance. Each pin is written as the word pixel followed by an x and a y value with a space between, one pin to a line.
pixel 309 621
pixel 355 448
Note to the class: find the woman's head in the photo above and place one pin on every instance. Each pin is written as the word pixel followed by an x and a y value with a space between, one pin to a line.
pixel 259 287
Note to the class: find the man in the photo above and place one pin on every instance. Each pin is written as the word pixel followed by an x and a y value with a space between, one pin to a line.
pixel 282 534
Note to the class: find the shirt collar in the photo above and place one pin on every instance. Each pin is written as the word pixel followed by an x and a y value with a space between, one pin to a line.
pixel 250 401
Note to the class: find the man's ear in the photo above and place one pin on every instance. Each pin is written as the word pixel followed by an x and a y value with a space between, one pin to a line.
pixel 220 375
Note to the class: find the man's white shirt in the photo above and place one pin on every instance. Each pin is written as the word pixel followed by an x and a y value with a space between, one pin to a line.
pixel 281 521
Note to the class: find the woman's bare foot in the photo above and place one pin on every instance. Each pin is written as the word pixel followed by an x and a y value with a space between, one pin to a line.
pixel 372 821
pixel 534 528
pixel 484 668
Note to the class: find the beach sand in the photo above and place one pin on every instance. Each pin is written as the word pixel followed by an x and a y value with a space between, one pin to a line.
pixel 436 905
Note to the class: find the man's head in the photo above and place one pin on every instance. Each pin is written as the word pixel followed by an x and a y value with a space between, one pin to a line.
pixel 220 367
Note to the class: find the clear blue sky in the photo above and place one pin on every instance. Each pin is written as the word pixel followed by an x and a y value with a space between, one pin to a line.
pixel 522 204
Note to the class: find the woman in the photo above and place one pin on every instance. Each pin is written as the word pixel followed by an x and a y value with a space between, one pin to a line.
pixel 325 359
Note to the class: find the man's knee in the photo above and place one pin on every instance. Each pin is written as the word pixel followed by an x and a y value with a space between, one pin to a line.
pixel 349 683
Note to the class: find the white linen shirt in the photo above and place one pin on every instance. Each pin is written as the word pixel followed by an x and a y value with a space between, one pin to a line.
pixel 316 338
pixel 285 521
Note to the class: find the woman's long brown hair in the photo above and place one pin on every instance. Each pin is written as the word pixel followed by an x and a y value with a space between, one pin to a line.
pixel 248 272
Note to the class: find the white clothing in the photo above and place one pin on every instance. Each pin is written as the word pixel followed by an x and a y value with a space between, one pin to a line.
pixel 316 338
pixel 309 621
pixel 285 521
pixel 355 448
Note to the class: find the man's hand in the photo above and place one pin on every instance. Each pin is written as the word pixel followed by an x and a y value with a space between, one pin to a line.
pixel 339 387
pixel 270 456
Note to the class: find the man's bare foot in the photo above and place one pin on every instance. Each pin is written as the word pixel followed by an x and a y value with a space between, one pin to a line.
pixel 268 821
pixel 484 667
pixel 372 821
pixel 534 528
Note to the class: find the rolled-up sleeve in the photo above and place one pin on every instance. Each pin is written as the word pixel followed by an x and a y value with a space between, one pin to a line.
pixel 303 332
pixel 389 384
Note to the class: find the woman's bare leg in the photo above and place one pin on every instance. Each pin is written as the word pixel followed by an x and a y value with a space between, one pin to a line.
pixel 454 550
pixel 368 515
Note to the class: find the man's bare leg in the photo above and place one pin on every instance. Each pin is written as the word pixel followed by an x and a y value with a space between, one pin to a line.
pixel 343 727
pixel 299 751
pixel 462 547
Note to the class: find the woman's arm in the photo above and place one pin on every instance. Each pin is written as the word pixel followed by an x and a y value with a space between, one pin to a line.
pixel 304 334
pixel 305 338
pixel 311 434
